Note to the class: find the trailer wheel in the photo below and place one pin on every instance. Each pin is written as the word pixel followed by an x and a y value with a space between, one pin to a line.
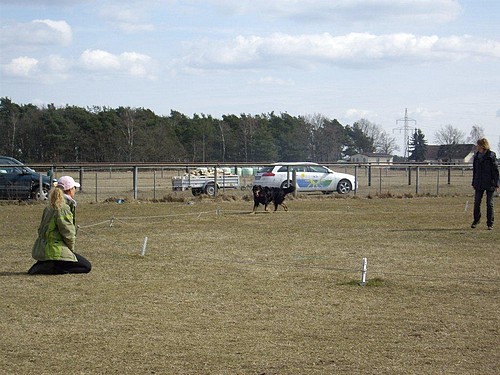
pixel 196 191
pixel 210 189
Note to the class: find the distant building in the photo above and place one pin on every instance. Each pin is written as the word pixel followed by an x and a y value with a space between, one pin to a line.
pixel 373 158
pixel 454 154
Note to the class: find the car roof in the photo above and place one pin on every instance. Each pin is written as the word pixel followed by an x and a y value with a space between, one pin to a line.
pixel 11 159
pixel 296 163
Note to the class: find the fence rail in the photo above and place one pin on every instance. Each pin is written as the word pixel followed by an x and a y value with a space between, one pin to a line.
pixel 101 182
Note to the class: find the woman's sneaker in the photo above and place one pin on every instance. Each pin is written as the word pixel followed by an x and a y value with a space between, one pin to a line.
pixel 474 224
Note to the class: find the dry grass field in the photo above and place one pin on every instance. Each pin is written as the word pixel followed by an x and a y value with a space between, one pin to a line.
pixel 221 291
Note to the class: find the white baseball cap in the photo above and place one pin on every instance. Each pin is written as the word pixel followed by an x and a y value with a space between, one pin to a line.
pixel 67 183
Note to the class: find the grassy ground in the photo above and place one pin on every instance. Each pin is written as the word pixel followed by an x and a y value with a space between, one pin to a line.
pixel 220 291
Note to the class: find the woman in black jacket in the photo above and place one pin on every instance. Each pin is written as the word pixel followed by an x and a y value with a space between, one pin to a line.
pixel 484 179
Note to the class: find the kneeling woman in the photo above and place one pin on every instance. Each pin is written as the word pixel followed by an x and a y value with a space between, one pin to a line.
pixel 54 247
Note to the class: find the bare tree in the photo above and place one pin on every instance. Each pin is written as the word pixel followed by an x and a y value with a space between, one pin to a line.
pixel 449 135
pixel 477 132
pixel 370 129
pixel 248 127
pixel 128 129
pixel 316 122
pixel 386 144
pixel 381 140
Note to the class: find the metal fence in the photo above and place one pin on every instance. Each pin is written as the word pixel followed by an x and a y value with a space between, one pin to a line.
pixel 101 182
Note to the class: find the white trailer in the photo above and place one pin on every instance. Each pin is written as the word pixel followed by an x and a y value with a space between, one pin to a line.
pixel 200 182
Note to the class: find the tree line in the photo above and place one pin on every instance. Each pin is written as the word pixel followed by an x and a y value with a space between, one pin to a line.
pixel 102 134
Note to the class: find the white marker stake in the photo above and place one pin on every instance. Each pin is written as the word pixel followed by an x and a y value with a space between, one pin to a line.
pixel 466 206
pixel 364 266
pixel 144 246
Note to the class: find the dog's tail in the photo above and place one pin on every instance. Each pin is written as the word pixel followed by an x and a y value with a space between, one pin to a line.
pixel 289 189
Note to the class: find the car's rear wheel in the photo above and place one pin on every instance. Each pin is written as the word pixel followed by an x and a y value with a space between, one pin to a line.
pixel 286 184
pixel 344 187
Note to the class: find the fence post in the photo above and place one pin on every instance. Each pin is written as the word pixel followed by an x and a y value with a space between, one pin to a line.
pixel 96 187
pixel 437 186
pixel 135 178
pixel 154 185
pixel 294 182
pixel 409 176
pixel 215 182
pixel 449 175
pixel 80 177
pixel 40 187
pixel 369 175
pixel 417 180
pixel 380 181
pixel 223 181
pixel 356 180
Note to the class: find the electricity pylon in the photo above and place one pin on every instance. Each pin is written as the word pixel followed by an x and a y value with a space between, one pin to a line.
pixel 406 130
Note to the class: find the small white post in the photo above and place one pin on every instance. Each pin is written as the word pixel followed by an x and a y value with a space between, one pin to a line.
pixel 144 246
pixel 364 266
pixel 466 206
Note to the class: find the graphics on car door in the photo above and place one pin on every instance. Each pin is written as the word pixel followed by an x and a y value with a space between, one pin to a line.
pixel 314 178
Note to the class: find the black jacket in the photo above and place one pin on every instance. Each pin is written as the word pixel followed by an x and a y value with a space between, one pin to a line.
pixel 485 171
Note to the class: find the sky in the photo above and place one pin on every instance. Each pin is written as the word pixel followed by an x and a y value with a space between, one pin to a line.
pixel 345 59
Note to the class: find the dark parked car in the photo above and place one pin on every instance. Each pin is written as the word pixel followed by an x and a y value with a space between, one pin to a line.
pixel 20 182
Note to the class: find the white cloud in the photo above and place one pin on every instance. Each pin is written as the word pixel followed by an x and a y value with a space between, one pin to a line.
pixel 98 60
pixel 57 30
pixel 354 49
pixel 127 18
pixel 23 67
pixel 47 70
pixel 354 114
pixel 57 63
pixel 427 114
pixel 36 33
pixel 347 10
pixel 56 68
pixel 132 63
pixel 136 64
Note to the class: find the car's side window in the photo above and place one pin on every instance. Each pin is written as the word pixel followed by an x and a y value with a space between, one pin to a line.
pixel 284 168
pixel 7 169
pixel 292 168
pixel 317 169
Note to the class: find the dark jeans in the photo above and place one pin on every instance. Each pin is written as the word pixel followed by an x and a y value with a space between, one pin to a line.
pixel 58 267
pixel 478 197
